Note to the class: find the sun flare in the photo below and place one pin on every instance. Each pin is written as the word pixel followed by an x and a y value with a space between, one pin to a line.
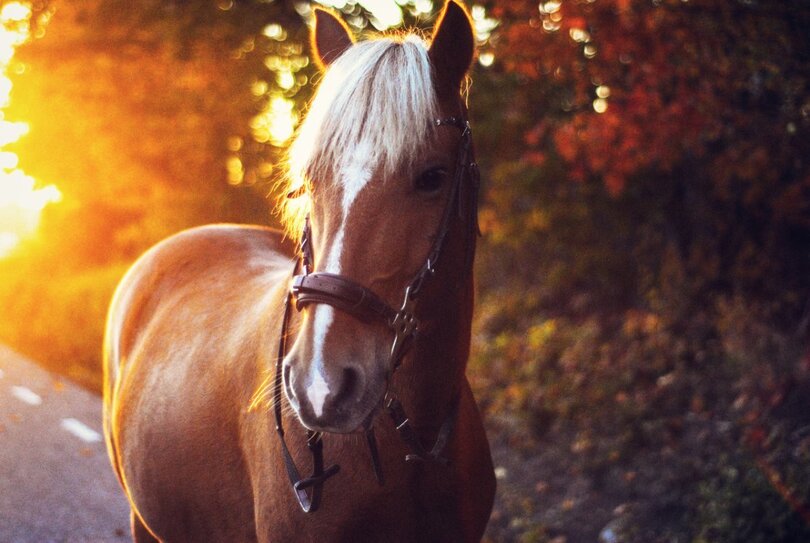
pixel 21 201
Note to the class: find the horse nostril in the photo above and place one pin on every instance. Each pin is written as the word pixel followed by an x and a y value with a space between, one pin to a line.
pixel 287 385
pixel 286 375
pixel 348 385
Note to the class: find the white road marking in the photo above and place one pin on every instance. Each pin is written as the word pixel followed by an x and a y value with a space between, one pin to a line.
pixel 80 430
pixel 26 395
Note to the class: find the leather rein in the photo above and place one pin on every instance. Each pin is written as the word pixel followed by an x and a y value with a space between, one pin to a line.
pixel 310 287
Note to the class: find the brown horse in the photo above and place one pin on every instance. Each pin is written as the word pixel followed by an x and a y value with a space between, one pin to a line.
pixel 225 375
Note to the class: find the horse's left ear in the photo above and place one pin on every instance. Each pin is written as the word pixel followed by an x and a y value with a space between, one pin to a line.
pixel 451 50
pixel 330 37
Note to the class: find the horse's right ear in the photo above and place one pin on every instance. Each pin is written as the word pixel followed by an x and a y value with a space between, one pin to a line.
pixel 452 48
pixel 330 37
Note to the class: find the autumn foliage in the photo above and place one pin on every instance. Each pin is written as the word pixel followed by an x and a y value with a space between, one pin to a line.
pixel 645 273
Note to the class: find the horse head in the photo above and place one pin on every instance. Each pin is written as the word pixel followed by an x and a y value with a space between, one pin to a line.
pixel 376 168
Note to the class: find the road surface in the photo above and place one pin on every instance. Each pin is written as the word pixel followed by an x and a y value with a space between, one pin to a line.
pixel 56 484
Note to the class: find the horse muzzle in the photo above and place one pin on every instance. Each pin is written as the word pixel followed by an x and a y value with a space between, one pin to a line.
pixel 340 397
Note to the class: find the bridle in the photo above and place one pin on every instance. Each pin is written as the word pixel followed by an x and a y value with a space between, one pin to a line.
pixel 310 287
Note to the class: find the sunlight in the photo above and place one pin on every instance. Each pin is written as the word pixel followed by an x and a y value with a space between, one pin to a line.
pixel 11 132
pixel 276 123
pixel 21 202
pixel 18 191
pixel 385 14
pixel 484 26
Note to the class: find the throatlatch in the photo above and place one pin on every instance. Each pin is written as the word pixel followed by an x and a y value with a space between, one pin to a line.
pixel 363 304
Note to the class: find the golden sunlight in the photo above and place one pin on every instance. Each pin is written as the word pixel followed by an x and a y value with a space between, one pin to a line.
pixel 385 14
pixel 276 123
pixel 21 202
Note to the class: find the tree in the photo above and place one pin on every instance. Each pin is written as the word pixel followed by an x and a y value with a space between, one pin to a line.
pixel 141 114
pixel 653 224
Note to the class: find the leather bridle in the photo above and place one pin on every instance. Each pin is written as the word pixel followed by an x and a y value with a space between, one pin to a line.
pixel 342 293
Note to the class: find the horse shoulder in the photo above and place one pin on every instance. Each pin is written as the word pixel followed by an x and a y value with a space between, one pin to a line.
pixel 180 350
pixel 200 258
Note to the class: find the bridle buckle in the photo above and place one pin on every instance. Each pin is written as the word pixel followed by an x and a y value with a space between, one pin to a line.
pixel 405 325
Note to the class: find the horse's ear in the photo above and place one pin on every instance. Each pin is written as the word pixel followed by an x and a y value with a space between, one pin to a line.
pixel 452 48
pixel 330 37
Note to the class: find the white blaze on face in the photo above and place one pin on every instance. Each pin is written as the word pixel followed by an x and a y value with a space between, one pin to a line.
pixel 354 176
pixel 317 392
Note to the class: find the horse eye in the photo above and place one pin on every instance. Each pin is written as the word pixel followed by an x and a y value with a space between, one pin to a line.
pixel 430 180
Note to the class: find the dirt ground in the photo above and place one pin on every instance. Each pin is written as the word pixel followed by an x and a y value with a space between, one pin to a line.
pixel 544 495
pixel 539 499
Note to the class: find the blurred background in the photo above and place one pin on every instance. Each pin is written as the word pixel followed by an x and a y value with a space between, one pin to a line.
pixel 641 340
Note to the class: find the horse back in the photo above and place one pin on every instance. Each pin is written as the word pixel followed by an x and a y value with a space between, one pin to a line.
pixel 182 355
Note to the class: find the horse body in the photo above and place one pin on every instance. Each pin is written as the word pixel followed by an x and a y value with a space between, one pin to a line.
pixel 175 410
pixel 192 337
pixel 199 465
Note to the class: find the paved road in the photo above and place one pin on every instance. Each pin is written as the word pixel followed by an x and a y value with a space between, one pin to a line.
pixel 56 484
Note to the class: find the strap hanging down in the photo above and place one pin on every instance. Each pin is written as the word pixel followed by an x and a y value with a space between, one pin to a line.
pixel 408 434
pixel 309 501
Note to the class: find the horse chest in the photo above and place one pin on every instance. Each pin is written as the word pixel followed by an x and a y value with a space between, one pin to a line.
pixel 419 511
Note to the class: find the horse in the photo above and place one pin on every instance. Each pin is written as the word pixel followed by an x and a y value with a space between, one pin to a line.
pixel 236 356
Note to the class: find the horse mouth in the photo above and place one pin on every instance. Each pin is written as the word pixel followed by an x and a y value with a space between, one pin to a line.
pixel 347 418
pixel 341 422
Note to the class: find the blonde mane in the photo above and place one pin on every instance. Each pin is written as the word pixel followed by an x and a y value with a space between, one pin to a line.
pixel 375 100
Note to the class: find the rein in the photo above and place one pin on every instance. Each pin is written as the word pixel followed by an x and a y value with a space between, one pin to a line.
pixel 363 304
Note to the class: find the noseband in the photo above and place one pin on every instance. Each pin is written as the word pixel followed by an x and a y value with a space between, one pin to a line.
pixel 363 304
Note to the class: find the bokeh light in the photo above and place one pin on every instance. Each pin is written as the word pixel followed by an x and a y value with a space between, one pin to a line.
pixel 21 201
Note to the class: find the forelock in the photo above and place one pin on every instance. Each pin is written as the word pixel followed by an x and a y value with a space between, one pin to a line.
pixel 377 98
